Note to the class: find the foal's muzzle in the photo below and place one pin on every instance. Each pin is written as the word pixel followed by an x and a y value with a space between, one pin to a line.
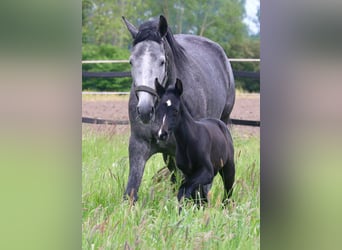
pixel 163 135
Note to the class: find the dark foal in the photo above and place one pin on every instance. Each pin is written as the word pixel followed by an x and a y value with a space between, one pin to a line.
pixel 203 147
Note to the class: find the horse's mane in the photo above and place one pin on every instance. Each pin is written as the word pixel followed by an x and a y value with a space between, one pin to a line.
pixel 149 31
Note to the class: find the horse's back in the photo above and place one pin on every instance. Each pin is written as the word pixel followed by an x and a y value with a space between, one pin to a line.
pixel 195 45
pixel 205 53
pixel 209 75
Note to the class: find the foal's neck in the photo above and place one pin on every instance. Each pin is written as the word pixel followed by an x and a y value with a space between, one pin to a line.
pixel 186 123
pixel 185 113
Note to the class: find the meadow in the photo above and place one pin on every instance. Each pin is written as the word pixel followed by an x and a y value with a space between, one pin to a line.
pixel 153 222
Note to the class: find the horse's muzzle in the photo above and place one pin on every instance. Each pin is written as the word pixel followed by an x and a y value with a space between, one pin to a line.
pixel 145 114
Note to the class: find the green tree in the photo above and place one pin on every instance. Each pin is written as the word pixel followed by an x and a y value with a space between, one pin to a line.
pixel 219 20
pixel 102 23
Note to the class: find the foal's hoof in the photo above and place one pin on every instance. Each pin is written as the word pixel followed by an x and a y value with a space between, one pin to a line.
pixel 179 210
pixel 228 203
pixel 131 198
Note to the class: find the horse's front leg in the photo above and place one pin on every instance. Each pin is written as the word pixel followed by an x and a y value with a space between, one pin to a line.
pixel 139 153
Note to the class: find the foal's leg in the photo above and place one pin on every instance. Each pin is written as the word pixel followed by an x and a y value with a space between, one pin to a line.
pixel 171 165
pixel 203 177
pixel 201 193
pixel 181 192
pixel 194 183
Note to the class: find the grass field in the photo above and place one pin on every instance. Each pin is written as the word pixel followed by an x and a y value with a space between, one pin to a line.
pixel 153 222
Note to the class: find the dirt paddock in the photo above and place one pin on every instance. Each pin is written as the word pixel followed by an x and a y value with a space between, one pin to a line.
pixel 112 107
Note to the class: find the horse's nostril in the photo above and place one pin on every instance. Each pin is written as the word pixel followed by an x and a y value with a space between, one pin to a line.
pixel 138 110
pixel 152 113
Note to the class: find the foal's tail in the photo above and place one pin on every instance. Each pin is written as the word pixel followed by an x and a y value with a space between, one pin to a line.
pixel 228 176
pixel 223 127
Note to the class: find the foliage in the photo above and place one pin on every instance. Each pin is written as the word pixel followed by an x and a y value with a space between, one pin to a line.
pixel 219 20
pixel 250 49
pixel 154 223
pixel 103 52
pixel 102 23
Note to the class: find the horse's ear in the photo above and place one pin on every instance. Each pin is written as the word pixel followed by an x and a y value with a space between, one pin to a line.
pixel 159 88
pixel 162 28
pixel 131 28
pixel 179 86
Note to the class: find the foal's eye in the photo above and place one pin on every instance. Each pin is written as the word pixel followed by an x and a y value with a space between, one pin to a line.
pixel 162 63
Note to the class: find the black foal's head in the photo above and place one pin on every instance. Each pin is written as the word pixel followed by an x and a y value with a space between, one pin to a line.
pixel 168 108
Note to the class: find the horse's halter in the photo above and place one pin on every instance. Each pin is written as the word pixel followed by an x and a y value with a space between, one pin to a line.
pixel 147 89
pixel 150 90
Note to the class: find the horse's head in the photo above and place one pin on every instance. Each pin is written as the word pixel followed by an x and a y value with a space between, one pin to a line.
pixel 168 110
pixel 148 64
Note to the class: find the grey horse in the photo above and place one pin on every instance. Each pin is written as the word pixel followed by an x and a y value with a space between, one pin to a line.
pixel 159 56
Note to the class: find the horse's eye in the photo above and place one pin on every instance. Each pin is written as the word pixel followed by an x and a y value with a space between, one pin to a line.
pixel 130 62
pixel 162 63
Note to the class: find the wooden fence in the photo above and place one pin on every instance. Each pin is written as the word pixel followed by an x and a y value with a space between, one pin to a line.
pixel 237 74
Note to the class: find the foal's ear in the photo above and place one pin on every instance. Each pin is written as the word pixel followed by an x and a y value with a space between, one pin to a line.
pixel 159 88
pixel 162 27
pixel 179 86
pixel 131 28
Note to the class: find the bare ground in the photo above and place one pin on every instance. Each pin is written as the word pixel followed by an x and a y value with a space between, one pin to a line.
pixel 247 107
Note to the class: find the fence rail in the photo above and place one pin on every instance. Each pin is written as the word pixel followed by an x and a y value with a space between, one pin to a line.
pixel 86 74
pixel 126 122
pixel 126 61
pixel 243 74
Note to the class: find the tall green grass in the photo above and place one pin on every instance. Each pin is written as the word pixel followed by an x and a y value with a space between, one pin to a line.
pixel 153 222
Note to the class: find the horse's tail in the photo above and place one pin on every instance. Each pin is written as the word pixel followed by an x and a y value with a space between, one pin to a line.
pixel 230 97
